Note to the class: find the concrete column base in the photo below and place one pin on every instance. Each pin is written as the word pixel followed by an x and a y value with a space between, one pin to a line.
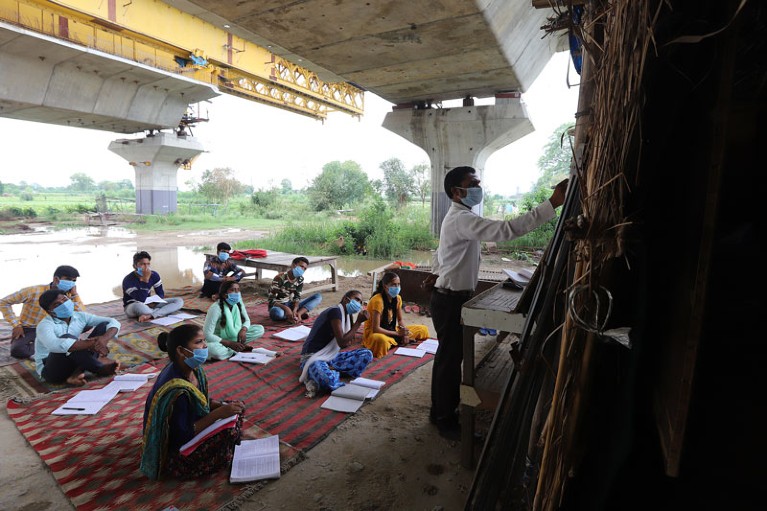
pixel 454 137
pixel 156 159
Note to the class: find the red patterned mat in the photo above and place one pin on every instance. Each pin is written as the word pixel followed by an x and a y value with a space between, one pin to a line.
pixel 95 458
pixel 137 342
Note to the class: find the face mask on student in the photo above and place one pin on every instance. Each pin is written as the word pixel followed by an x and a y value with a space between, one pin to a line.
pixel 298 271
pixel 353 307
pixel 64 310
pixel 66 285
pixel 223 256
pixel 473 196
pixel 394 291
pixel 140 271
pixel 233 298
pixel 199 356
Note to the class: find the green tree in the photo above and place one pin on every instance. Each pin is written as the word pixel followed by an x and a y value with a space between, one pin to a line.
pixel 338 185
pixel 219 184
pixel 557 155
pixel 125 184
pixel 286 186
pixel 398 183
pixel 2 188
pixel 422 180
pixel 81 182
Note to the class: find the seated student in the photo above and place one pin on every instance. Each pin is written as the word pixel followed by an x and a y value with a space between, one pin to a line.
pixel 285 294
pixel 178 407
pixel 385 328
pixel 60 354
pixel 227 324
pixel 23 334
pixel 218 269
pixel 137 286
pixel 322 360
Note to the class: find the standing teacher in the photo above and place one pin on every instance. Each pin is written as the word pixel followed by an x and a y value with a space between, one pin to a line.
pixel 455 271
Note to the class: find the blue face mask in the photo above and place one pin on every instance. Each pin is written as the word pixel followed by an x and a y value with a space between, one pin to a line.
pixel 394 291
pixel 233 298
pixel 223 256
pixel 64 310
pixel 140 271
pixel 298 271
pixel 353 307
pixel 473 196
pixel 199 356
pixel 66 285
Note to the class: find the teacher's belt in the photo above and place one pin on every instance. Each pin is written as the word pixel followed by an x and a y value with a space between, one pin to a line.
pixel 449 292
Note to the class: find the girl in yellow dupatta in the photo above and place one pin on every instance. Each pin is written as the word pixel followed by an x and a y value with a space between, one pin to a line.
pixel 227 324
pixel 178 408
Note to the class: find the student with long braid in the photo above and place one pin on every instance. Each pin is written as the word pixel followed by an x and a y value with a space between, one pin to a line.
pixel 385 328
pixel 227 324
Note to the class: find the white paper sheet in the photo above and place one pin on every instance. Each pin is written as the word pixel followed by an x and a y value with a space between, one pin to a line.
pixel 251 358
pixel 410 352
pixel 429 346
pixel 255 460
pixel 297 333
pixel 167 320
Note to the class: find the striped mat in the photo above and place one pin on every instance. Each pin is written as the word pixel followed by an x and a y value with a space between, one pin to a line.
pixel 137 342
pixel 95 458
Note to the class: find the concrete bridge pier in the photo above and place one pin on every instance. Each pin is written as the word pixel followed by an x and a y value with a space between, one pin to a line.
pixel 156 159
pixel 454 137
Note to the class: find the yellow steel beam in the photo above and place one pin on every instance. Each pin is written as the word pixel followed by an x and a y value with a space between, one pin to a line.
pixel 156 34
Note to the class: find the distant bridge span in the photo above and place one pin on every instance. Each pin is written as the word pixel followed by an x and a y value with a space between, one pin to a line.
pixel 135 66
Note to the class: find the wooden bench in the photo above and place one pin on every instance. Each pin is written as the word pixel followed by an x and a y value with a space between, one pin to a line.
pixel 282 261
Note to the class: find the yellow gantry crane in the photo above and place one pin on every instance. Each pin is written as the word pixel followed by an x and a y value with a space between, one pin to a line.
pixel 158 35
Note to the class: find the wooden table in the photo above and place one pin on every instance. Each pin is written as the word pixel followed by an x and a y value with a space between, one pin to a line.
pixel 282 261
pixel 492 308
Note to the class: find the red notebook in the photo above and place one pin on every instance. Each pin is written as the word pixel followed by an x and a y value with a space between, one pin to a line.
pixel 220 425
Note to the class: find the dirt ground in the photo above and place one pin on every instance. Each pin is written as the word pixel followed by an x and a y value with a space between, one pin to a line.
pixel 387 456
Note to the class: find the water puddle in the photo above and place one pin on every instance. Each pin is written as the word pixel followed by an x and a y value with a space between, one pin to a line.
pixel 103 256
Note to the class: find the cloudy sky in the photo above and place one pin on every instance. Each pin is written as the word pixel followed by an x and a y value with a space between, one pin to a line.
pixel 264 144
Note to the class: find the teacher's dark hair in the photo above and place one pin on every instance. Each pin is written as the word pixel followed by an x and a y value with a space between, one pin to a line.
pixel 455 177
pixel 179 336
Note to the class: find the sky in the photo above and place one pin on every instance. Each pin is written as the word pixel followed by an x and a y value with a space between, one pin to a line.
pixel 265 145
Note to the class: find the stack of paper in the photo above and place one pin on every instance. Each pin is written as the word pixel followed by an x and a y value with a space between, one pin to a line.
pixel 410 352
pixel 373 385
pixel 297 333
pixel 87 402
pixel 257 356
pixel 130 382
pixel 154 299
pixel 256 459
pixel 348 398
pixel 351 396
pixel 429 346
pixel 172 319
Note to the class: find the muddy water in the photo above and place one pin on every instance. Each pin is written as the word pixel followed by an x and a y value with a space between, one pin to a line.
pixel 103 256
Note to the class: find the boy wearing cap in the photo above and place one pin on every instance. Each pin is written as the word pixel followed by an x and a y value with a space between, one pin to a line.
pixel 61 356
pixel 23 335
